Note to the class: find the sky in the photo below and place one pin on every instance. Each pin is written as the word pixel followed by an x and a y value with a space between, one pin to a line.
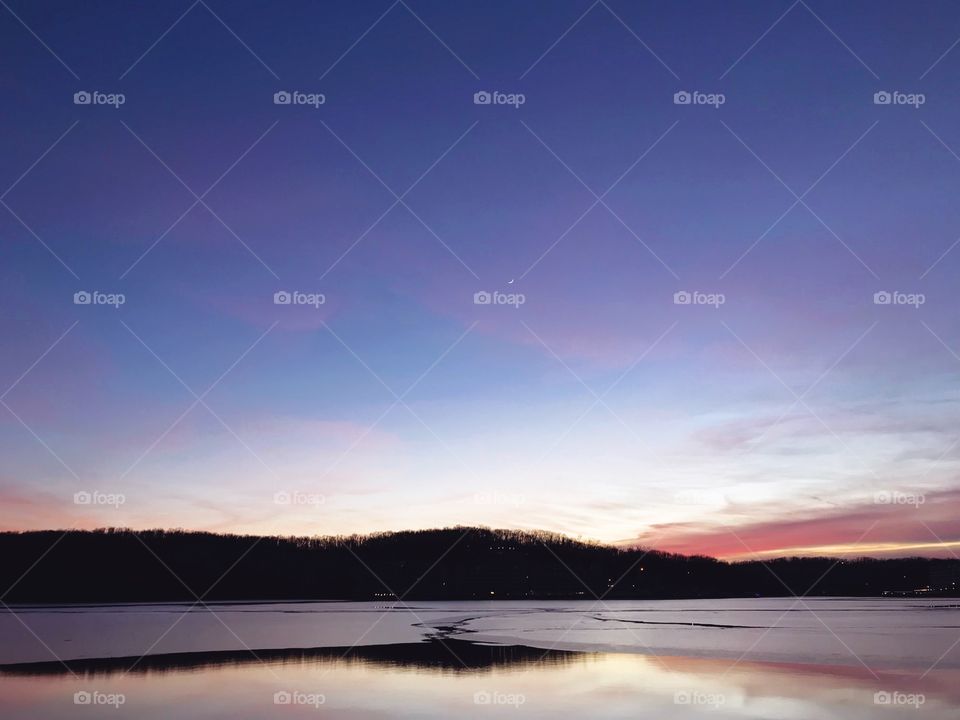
pixel 726 326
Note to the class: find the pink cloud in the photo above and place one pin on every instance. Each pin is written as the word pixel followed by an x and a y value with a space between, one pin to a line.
pixel 895 524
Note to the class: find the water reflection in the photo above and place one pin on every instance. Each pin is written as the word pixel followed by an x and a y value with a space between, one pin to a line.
pixel 455 678
pixel 447 655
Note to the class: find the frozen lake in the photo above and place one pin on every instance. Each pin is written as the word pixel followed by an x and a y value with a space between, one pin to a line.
pixel 770 658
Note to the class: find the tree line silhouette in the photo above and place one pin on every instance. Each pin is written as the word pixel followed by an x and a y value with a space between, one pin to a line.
pixel 122 565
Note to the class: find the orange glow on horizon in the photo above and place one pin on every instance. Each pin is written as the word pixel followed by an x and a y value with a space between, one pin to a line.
pixel 874 549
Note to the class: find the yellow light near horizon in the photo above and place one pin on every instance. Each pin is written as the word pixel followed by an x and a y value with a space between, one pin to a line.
pixel 855 549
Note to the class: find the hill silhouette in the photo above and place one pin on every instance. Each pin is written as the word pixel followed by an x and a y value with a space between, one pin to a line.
pixel 122 565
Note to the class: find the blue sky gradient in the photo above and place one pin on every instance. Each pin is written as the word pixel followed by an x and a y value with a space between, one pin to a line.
pixel 598 407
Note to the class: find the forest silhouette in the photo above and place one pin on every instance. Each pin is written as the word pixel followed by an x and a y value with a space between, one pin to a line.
pixel 122 565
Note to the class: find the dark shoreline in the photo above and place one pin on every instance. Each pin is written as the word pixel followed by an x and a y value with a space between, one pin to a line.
pixel 117 565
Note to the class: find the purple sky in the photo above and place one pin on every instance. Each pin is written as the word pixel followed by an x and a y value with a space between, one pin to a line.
pixel 787 407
